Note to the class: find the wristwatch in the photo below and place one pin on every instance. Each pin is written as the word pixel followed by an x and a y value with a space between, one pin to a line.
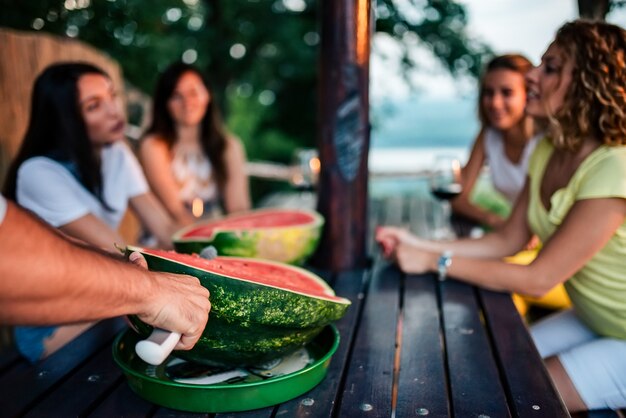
pixel 443 264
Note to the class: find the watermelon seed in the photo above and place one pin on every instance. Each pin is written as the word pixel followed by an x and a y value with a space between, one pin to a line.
pixel 422 411
pixel 307 402
pixel 366 407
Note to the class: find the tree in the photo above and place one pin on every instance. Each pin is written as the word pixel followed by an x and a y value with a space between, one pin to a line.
pixel 597 9
pixel 260 54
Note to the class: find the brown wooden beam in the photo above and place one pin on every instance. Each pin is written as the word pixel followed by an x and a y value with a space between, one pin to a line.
pixel 344 132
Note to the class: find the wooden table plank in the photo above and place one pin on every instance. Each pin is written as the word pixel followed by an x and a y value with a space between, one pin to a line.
pixel 369 382
pixel 84 389
pixel 472 372
pixel 9 357
pixel 422 384
pixel 123 402
pixel 171 413
pixel 519 360
pixel 24 385
pixel 322 400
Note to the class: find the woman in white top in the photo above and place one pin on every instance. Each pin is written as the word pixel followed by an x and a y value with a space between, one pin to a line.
pixel 505 141
pixel 75 172
pixel 194 167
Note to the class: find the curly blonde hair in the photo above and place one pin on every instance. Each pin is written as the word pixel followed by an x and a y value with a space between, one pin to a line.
pixel 595 103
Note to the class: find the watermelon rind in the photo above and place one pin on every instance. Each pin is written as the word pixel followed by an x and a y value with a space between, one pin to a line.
pixel 248 303
pixel 292 244
pixel 226 342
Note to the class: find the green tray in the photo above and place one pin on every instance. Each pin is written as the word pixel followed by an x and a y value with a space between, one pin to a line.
pixel 153 384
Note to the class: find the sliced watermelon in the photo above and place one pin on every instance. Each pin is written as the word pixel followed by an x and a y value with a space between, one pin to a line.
pixel 260 309
pixel 285 235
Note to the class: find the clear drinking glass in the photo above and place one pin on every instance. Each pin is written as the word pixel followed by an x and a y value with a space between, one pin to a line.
pixel 305 173
pixel 445 185
pixel 306 165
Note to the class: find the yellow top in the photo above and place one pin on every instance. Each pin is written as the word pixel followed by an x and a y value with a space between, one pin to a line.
pixel 598 290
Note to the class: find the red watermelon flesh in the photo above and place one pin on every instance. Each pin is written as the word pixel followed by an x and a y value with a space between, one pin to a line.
pixel 273 219
pixel 263 272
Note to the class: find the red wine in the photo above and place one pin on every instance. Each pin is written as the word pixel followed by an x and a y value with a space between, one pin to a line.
pixel 447 192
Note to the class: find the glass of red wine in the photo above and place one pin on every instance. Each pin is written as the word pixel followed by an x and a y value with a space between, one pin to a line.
pixel 445 185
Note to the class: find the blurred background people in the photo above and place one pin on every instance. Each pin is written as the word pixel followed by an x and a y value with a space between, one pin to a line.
pixel 506 138
pixel 75 171
pixel 194 166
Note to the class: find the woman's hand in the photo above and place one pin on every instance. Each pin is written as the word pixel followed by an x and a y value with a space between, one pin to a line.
pixel 401 246
pixel 414 260
pixel 389 237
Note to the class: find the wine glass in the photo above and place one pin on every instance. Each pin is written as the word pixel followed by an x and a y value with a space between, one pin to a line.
pixel 445 185
pixel 305 172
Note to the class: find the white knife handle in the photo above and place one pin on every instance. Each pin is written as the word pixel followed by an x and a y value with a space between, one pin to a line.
pixel 155 349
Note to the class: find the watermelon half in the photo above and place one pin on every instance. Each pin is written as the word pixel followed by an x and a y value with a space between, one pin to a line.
pixel 285 235
pixel 260 309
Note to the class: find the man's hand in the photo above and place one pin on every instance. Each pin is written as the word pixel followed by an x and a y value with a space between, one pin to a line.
pixel 176 303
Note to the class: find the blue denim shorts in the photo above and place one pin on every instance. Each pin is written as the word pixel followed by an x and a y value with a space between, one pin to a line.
pixel 595 364
pixel 29 341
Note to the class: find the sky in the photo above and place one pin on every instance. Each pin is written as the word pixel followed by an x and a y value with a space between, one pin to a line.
pixel 443 112
pixel 521 26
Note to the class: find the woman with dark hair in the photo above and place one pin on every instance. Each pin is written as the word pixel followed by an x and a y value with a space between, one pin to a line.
pixel 505 141
pixel 193 165
pixel 574 200
pixel 75 171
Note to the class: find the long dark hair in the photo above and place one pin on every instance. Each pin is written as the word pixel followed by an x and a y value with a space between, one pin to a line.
pixel 56 128
pixel 212 135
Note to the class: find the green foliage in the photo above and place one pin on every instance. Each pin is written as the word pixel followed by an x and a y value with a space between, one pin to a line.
pixel 143 36
pixel 260 54
pixel 439 25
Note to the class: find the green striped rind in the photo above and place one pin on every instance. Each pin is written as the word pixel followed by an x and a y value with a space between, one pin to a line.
pixel 249 303
pixel 292 244
pixel 226 342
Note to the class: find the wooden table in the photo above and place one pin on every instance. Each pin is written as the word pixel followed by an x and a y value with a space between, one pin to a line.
pixel 409 344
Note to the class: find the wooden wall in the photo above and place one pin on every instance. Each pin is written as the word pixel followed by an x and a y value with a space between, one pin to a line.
pixel 23 55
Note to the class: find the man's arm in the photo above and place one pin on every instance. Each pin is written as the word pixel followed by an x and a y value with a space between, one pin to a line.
pixel 46 279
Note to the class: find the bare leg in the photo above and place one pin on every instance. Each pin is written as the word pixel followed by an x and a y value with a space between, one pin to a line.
pixel 62 336
pixel 564 385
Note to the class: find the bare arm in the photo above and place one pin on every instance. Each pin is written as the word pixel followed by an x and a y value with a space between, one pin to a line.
pixel 236 190
pixel 505 241
pixel 155 218
pixel 47 279
pixel 93 231
pixel 156 161
pixel 563 255
pixel 462 204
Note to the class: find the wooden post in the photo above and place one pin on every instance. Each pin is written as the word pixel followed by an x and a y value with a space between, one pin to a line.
pixel 343 133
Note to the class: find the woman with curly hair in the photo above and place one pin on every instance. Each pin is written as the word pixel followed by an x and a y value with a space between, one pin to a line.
pixel 192 164
pixel 574 200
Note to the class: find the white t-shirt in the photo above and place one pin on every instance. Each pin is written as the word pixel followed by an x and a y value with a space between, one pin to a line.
pixel 3 208
pixel 507 177
pixel 48 189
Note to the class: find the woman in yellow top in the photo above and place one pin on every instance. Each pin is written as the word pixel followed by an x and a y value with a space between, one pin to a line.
pixel 574 200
